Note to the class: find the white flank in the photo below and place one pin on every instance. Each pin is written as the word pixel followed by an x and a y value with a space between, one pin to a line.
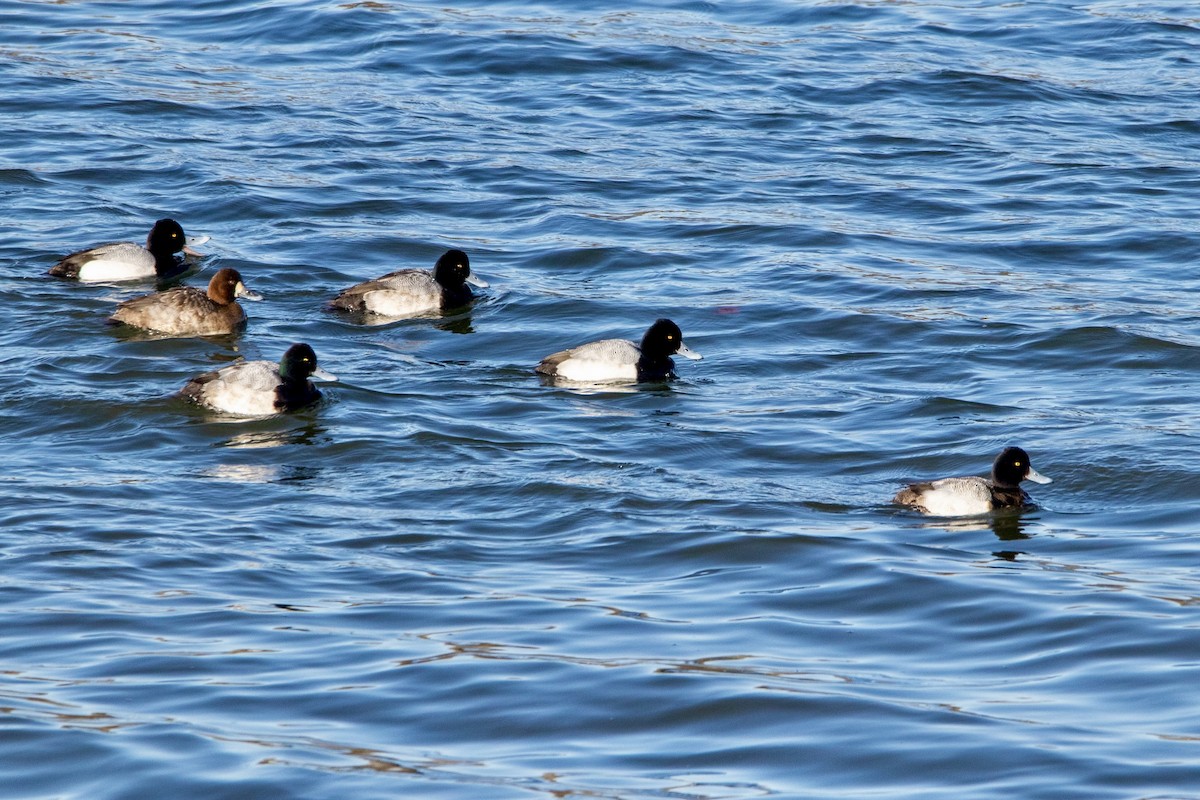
pixel 588 370
pixel 246 389
pixel 127 262
pixel 404 294
pixel 957 497
pixel 601 362
pixel 388 303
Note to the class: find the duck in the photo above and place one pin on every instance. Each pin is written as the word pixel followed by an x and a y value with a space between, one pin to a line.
pixel 610 360
pixel 260 388
pixel 128 261
pixel 973 495
pixel 408 292
pixel 188 311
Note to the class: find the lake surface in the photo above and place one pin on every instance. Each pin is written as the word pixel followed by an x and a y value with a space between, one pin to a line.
pixel 902 234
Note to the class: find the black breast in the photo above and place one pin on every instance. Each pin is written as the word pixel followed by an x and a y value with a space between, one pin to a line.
pixel 293 395
pixel 650 370
pixel 1009 497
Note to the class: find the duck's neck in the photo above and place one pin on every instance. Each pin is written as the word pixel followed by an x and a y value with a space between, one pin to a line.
pixel 165 262
pixel 1009 496
pixel 293 393
pixel 654 368
pixel 1004 483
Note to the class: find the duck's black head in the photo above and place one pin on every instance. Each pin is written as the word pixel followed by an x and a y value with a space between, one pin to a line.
pixel 298 362
pixel 166 239
pixel 661 340
pixel 1012 466
pixel 452 269
pixel 295 391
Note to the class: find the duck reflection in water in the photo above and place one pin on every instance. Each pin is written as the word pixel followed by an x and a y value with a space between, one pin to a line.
pixel 263 473
pixel 459 323
pixel 307 433
pixel 1008 526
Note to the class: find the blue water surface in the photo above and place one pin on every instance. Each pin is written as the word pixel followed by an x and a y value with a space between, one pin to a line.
pixel 903 236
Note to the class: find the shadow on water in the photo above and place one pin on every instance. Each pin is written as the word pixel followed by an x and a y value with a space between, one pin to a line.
pixel 306 434
pixel 458 322
pixel 262 473
pixel 1008 527
pixel 122 332
pixel 586 388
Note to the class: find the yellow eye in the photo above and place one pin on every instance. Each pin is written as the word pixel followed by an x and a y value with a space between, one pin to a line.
pixel 1016 463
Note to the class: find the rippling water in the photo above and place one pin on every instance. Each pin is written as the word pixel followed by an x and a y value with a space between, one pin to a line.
pixel 903 235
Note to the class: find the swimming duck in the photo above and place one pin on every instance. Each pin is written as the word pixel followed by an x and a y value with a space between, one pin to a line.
pixel 188 311
pixel 260 388
pixel 127 261
pixel 407 292
pixel 620 359
pixel 960 497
